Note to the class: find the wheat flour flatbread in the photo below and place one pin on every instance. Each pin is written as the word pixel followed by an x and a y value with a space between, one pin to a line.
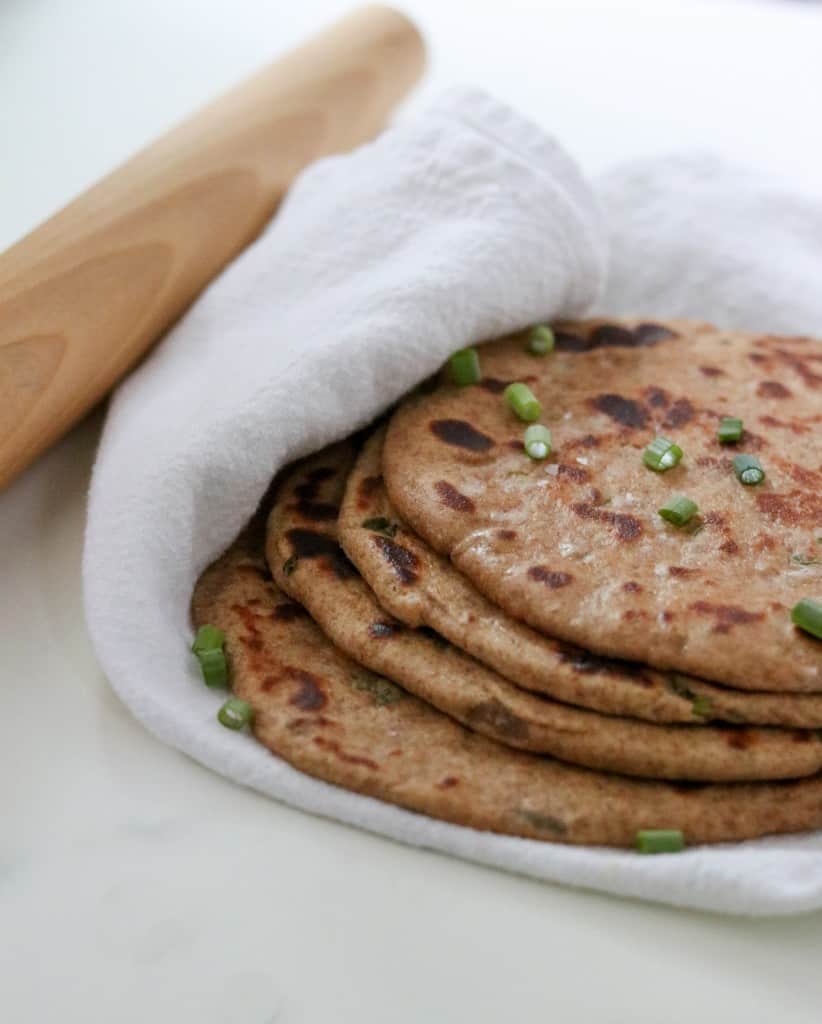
pixel 331 719
pixel 308 564
pixel 422 588
pixel 575 547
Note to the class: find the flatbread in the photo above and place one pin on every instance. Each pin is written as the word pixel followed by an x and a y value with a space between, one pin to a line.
pixel 422 588
pixel 308 564
pixel 575 547
pixel 329 718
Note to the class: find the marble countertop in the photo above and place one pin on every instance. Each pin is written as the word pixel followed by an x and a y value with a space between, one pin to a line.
pixel 136 885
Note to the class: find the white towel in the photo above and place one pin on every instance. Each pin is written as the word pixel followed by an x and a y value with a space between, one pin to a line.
pixel 462 225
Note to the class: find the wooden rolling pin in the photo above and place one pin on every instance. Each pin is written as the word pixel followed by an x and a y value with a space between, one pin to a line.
pixel 85 294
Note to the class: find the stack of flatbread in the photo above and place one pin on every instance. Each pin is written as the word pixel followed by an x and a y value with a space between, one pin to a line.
pixel 425 614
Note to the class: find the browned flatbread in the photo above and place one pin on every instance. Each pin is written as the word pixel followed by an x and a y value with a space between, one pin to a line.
pixel 331 719
pixel 576 549
pixel 308 564
pixel 422 588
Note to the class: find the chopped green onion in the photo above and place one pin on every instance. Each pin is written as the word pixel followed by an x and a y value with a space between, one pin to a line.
pixel 730 430
pixel 748 469
pixel 235 714
pixel 541 340
pixel 522 400
pixel 537 441
pixel 465 367
pixel 661 454
pixel 289 565
pixel 807 614
pixel 379 524
pixel 701 706
pixel 208 638
pixel 213 666
pixel 660 840
pixel 678 510
pixel 208 647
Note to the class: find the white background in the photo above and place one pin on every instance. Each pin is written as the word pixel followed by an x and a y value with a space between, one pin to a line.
pixel 135 885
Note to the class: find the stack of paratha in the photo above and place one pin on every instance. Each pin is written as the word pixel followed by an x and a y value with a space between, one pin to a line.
pixel 429 616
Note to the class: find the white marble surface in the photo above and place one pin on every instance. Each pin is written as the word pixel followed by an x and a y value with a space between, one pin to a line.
pixel 135 885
